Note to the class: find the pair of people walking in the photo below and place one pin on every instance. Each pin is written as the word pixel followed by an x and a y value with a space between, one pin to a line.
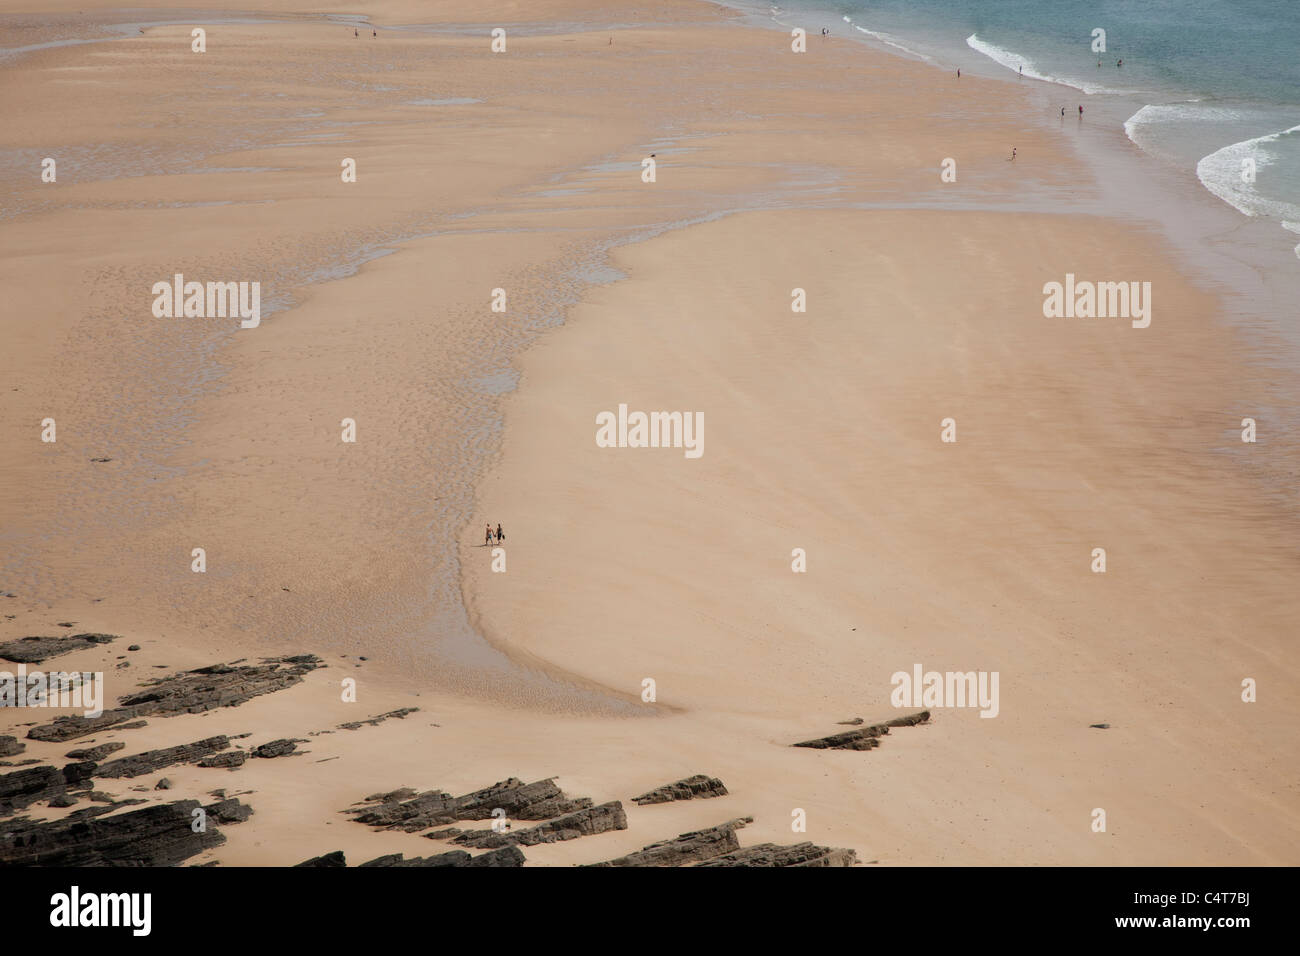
pixel 489 537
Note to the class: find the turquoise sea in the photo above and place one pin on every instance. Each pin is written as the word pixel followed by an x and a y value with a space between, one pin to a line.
pixel 1210 86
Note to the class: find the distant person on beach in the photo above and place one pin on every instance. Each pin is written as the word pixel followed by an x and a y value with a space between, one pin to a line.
pixel 959 74
pixel 1062 112
pixel 1119 62
pixel 374 33
pixel 1080 111
pixel 355 33
pixel 487 540
pixel 501 535
pixel 1013 154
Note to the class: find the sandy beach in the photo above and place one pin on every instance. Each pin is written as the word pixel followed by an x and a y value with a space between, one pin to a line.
pixel 914 471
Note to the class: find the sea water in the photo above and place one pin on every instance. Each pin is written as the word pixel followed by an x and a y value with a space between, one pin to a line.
pixel 1210 86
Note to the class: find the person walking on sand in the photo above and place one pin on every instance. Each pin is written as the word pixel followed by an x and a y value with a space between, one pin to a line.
pixel 959 74
pixel 1080 111
pixel 1062 112
pixel 487 538
pixel 1013 154
pixel 501 535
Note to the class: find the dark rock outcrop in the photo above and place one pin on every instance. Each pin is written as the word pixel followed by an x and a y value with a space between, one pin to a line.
pixel 96 753
pixel 153 760
pixel 864 738
pixel 158 835
pixel 22 788
pixel 276 748
pixel 687 847
pixel 34 650
pixel 772 855
pixel 9 746
pixel 520 801
pixel 505 856
pixel 188 692
pixel 687 789
pixel 376 721
pixel 327 860
pixel 229 759
pixel 229 810
pixel 585 822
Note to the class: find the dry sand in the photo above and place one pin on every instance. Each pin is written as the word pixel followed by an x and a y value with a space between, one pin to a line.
pixel 776 171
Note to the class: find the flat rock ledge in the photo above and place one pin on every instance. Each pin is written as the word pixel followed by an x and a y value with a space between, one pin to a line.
pixel 34 650
pixel 504 856
pixel 410 811
pixel 22 788
pixel 154 760
pixel 188 692
pixel 686 848
pixel 864 738
pixel 586 822
pixel 686 789
pixel 158 835
pixel 96 753
pixel 376 721
pixel 771 855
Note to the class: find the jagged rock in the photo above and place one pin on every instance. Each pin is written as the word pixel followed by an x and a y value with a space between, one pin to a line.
pixel 96 753
pixel 158 835
pixel 63 801
pixel 9 746
pixel 687 847
pixel 230 760
pixel 800 854
pixel 865 738
pixel 687 789
pixel 99 796
pixel 189 692
pixel 505 856
pixel 910 720
pixel 393 796
pixel 446 834
pixel 376 721
pixel 520 801
pixel 154 760
pixel 134 647
pixel 229 811
pixel 34 650
pixel 22 788
pixel 855 722
pixel 163 784
pixel 1100 726
pixel 328 860
pixel 276 748
pixel 585 822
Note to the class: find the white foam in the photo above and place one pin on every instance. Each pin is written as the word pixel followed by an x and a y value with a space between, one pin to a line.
pixel 1220 173
pixel 888 40
pixel 1016 63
